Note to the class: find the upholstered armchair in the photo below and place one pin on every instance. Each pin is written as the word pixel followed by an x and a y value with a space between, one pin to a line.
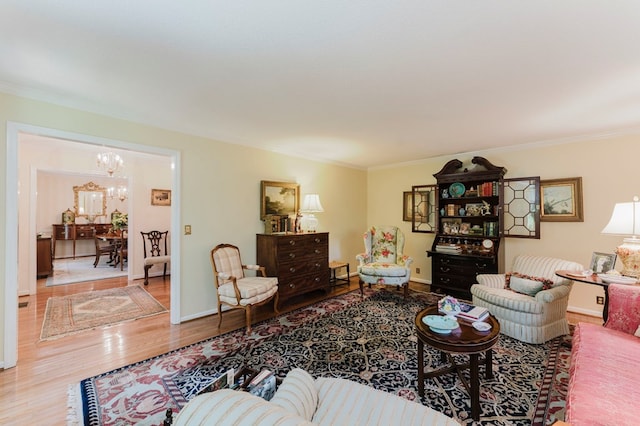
pixel 530 302
pixel 383 261
pixel 236 290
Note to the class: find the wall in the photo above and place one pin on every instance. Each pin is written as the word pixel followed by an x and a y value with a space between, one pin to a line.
pixel 605 179
pixel 219 191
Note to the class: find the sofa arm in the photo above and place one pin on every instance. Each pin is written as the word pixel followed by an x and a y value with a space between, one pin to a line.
pixel 624 308
pixel 492 280
pixel 554 293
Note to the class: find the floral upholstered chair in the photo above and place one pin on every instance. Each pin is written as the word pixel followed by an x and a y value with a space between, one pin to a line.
pixel 383 261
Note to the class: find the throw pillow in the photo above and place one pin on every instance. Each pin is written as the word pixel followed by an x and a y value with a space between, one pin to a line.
pixel 525 284
pixel 298 394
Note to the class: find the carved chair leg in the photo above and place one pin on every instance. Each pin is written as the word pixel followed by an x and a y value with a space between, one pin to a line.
pixel 361 287
pixel 406 290
pixel 164 272
pixel 275 303
pixel 146 274
pixel 219 314
pixel 248 316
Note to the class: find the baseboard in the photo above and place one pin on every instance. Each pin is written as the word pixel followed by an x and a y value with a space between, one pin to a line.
pixel 583 311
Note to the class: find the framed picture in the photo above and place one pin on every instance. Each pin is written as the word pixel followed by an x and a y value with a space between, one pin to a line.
pixel 602 262
pixel 451 226
pixel 160 197
pixel 420 207
pixel 279 198
pixel 561 200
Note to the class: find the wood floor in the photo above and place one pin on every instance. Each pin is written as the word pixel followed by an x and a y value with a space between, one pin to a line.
pixel 35 391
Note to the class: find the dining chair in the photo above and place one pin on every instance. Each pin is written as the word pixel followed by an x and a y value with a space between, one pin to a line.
pixel 155 251
pixel 103 247
pixel 122 249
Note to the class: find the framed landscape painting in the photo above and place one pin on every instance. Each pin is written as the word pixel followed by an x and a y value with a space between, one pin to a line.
pixel 561 200
pixel 279 198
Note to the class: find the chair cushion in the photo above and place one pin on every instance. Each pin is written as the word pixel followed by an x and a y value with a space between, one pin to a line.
pixel 157 259
pixel 507 299
pixel 252 290
pixel 227 260
pixel 383 269
pixel 525 284
pixel 297 394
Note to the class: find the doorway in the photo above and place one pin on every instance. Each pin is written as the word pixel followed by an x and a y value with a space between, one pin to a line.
pixel 19 211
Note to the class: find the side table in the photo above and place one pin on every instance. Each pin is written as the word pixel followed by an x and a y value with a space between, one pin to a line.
pixel 333 266
pixel 463 340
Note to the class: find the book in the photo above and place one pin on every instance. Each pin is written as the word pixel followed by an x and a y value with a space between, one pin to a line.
pixel 220 382
pixel 263 385
pixel 472 313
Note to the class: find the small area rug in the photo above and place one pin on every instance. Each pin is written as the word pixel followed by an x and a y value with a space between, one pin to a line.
pixel 71 314
pixel 80 269
pixel 371 341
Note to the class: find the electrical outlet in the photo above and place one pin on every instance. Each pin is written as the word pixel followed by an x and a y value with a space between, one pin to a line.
pixel 600 300
pixel 417 270
pixel 187 230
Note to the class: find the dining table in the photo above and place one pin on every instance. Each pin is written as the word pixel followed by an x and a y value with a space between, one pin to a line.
pixel 120 241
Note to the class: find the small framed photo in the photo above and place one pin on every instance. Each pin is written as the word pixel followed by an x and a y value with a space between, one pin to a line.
pixel 602 262
pixel 160 197
pixel 279 198
pixel 561 200
pixel 451 226
pixel 465 228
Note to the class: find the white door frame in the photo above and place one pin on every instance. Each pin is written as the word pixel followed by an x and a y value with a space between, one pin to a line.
pixel 11 214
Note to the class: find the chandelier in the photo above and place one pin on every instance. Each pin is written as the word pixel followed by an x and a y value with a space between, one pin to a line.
pixel 109 162
pixel 120 192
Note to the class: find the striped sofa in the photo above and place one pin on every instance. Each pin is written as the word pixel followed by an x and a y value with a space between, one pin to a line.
pixel 531 318
pixel 301 400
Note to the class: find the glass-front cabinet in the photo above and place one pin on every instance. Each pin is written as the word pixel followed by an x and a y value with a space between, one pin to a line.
pixel 470 210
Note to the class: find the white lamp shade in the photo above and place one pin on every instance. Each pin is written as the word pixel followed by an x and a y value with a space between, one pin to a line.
pixel 311 204
pixel 625 220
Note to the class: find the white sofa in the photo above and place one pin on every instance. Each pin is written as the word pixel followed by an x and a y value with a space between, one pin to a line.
pixel 301 400
pixel 531 318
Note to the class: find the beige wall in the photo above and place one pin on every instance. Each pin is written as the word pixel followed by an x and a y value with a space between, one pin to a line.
pixel 220 188
pixel 605 178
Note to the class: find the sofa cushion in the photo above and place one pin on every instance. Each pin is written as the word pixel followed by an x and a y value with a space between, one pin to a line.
pixel 228 406
pixel 344 402
pixel 297 393
pixel 525 284
pixel 602 382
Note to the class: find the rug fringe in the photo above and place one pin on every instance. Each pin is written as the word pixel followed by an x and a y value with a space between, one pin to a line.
pixel 74 405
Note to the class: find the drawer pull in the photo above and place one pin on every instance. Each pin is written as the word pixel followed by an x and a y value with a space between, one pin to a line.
pixel 292 242
pixel 481 265
pixel 317 279
pixel 292 269
pixel 316 251
pixel 292 285
pixel 292 255
pixel 443 269
pixel 317 240
pixel 318 265
pixel 445 280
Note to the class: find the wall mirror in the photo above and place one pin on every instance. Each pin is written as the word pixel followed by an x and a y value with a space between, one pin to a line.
pixel 90 201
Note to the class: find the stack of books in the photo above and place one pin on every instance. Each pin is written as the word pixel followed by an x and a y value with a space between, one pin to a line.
pixel 472 313
pixel 263 385
pixel 448 248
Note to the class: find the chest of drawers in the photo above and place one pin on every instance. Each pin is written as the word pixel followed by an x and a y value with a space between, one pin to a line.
pixel 455 274
pixel 300 261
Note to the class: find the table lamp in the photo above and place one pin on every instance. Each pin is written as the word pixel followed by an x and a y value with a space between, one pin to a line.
pixel 310 205
pixel 625 220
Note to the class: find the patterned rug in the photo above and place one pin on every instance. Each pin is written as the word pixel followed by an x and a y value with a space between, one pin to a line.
pixel 370 341
pixel 72 314
pixel 69 271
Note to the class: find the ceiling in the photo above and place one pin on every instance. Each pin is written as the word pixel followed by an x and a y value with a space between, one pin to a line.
pixel 359 83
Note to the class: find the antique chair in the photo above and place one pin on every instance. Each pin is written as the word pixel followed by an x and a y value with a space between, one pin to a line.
pixel 234 289
pixel 383 261
pixel 530 302
pixel 155 251
pixel 122 250
pixel 103 247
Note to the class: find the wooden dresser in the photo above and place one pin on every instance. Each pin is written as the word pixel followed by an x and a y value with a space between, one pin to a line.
pixel 73 232
pixel 45 263
pixel 300 261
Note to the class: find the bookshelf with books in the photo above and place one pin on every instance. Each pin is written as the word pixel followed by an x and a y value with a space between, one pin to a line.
pixel 475 208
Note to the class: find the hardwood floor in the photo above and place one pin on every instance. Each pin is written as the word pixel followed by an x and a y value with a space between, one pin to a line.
pixel 35 391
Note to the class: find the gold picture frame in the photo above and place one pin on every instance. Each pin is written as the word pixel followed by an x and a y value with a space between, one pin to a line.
pixel 160 197
pixel 561 200
pixel 279 198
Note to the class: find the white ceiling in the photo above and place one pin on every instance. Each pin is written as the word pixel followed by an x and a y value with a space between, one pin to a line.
pixel 360 83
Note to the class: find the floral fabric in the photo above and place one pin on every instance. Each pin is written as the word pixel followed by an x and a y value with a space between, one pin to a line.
pixel 624 308
pixel 383 261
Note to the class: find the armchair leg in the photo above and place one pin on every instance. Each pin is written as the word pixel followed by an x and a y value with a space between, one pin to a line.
pixel 406 290
pixel 361 288
pixel 146 274
pixel 275 304
pixel 248 316
pixel 219 315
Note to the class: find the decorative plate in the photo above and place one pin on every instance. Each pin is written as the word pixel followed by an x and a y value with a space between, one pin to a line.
pixel 487 243
pixel 441 324
pixel 456 190
pixel 617 279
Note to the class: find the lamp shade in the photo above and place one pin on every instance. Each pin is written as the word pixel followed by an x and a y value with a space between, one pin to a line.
pixel 311 204
pixel 625 219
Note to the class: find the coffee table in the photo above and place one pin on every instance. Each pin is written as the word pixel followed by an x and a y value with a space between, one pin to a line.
pixel 463 340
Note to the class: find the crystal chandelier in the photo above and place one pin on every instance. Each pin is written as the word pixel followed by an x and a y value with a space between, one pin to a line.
pixel 109 162
pixel 120 192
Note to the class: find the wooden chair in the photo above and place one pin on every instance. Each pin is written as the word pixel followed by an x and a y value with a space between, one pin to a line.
pixel 122 250
pixel 103 247
pixel 155 251
pixel 236 290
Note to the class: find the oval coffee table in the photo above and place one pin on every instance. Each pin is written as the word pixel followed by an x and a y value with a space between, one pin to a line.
pixel 463 340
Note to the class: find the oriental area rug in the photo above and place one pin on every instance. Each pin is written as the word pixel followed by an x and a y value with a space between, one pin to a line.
pixel 70 271
pixel 74 313
pixel 369 340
